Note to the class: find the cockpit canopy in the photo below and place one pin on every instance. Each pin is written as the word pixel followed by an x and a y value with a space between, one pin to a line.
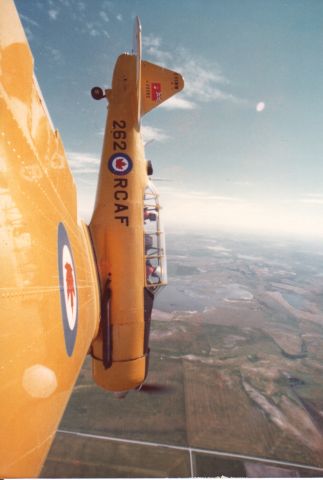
pixel 155 254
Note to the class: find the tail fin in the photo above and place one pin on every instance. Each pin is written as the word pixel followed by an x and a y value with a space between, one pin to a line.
pixel 157 85
pixel 154 84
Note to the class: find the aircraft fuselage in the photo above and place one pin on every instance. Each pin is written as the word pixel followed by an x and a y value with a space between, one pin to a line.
pixel 117 230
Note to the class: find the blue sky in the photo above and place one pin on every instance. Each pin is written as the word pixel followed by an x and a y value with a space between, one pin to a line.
pixel 232 166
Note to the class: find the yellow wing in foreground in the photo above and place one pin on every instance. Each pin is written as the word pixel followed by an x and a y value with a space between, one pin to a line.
pixel 51 294
pixel 48 283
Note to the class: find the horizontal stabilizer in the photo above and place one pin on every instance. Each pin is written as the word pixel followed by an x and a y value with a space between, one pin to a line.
pixel 157 85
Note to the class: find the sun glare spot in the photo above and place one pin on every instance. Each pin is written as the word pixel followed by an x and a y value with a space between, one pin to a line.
pixel 39 381
pixel 260 106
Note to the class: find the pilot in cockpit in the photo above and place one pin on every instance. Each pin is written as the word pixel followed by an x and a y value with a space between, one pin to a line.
pixel 149 215
pixel 152 273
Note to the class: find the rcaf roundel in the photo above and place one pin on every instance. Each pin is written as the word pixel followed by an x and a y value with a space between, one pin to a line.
pixel 120 164
pixel 68 289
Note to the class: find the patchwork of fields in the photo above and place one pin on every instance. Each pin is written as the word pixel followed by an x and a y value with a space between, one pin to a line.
pixel 235 382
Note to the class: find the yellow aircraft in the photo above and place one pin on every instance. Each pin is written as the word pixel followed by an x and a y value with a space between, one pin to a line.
pixel 68 289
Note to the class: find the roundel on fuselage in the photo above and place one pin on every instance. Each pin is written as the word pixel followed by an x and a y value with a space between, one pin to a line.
pixel 120 164
pixel 68 289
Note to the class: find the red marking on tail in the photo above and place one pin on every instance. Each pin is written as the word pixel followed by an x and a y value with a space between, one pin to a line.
pixel 156 91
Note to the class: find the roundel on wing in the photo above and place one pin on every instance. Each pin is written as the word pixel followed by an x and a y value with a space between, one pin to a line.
pixel 68 289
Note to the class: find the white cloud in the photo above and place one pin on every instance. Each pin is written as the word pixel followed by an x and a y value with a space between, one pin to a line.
pixel 83 163
pixel 160 56
pixel 204 81
pixel 151 41
pixel 92 29
pixel 85 200
pixel 242 183
pixel 107 4
pixel 81 6
pixel 54 54
pixel 313 195
pixel 29 20
pixel 150 134
pixel 205 211
pixel 184 209
pixel 100 133
pixel 65 3
pixel 312 198
pixel 119 17
pixel 181 103
pixel 104 16
pixel 53 14
pixel 29 33
pixel 219 198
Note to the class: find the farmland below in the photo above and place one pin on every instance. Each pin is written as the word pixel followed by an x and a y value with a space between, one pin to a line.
pixel 235 382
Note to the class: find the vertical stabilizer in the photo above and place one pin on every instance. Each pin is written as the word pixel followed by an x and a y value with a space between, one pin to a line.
pixel 154 84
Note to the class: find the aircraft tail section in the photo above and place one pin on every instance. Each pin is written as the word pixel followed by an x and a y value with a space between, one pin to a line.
pixel 154 84
pixel 158 84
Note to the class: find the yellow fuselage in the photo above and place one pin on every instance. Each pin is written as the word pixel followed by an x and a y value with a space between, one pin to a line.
pixel 117 232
